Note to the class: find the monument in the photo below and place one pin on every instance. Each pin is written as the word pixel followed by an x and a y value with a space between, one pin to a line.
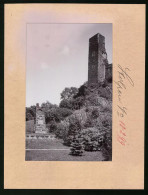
pixel 98 67
pixel 40 125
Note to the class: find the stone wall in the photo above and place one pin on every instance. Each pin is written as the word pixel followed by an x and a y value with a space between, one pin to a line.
pixel 108 75
pixel 39 136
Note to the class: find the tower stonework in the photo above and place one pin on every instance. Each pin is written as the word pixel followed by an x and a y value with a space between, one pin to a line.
pixel 97 59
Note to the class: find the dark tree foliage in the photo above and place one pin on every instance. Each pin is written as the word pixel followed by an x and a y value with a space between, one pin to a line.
pixel 74 129
pixel 81 91
pixel 77 147
pixel 92 139
pixel 47 106
pixel 65 103
pixel 57 114
pixel 68 93
pixel 107 145
pixel 30 113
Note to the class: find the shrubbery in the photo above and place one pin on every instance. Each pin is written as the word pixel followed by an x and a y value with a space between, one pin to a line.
pixel 73 130
pixel 83 119
pixel 52 127
pixel 57 114
pixel 67 103
pixel 62 130
pixel 77 147
pixel 92 138
pixel 30 113
pixel 107 145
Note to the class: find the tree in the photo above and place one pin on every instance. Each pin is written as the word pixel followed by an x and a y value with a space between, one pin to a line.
pixel 107 145
pixel 47 106
pixel 52 127
pixel 57 114
pixel 30 113
pixel 68 93
pixel 82 91
pixel 92 138
pixel 78 103
pixel 77 147
pixel 66 103
pixel 29 116
pixel 73 130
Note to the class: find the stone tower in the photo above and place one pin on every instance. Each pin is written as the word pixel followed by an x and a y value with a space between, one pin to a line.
pixel 97 60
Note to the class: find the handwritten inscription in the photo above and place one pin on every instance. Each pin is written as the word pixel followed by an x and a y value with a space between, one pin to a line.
pixel 122 133
pixel 124 79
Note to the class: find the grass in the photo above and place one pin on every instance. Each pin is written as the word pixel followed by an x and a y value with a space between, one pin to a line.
pixel 56 155
pixel 44 144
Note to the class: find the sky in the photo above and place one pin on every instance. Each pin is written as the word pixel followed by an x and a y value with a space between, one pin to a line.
pixel 57 57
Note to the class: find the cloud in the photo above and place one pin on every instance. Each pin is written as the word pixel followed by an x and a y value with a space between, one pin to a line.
pixel 65 50
pixel 44 66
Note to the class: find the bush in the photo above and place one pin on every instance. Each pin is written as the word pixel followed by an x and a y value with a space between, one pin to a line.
pixel 92 100
pixel 78 115
pixel 29 116
pixel 77 147
pixel 88 123
pixel 30 113
pixel 47 106
pixel 73 130
pixel 66 103
pixel 107 145
pixel 92 138
pixel 95 113
pixel 57 114
pixel 78 103
pixel 52 127
pixel 62 129
pixel 105 92
pixel 68 93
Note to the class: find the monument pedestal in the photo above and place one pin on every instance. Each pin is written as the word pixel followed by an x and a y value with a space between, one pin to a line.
pixel 40 125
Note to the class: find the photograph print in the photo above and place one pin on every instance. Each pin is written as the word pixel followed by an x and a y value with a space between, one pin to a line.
pixel 68 92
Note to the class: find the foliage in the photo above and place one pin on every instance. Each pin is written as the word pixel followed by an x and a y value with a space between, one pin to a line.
pixel 57 114
pixel 107 145
pixel 92 138
pixel 78 103
pixel 66 103
pixel 78 115
pixel 62 129
pixel 89 122
pixel 83 119
pixel 82 91
pixel 52 126
pixel 30 113
pixel 77 147
pixel 73 103
pixel 92 100
pixel 68 93
pixel 95 113
pixel 73 130
pixel 29 116
pixel 105 92
pixel 47 106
